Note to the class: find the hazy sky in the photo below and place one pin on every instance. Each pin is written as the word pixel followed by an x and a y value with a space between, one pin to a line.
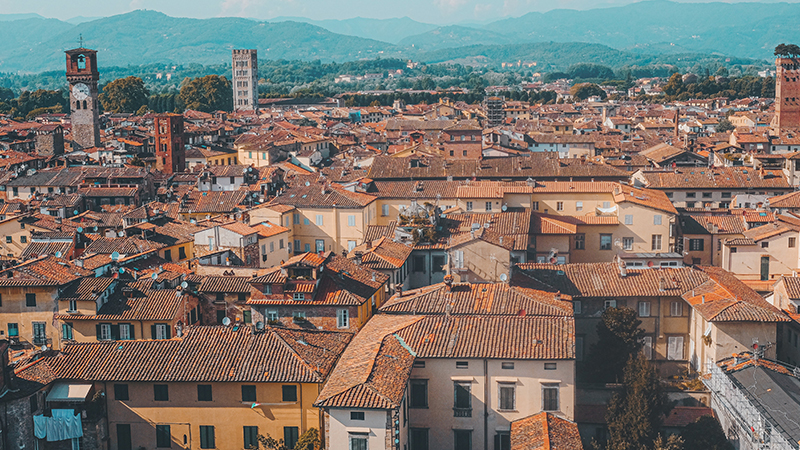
pixel 431 11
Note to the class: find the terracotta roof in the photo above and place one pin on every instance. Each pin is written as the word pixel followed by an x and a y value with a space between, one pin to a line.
pixel 315 195
pixel 225 284
pixel 212 201
pixel 162 305
pixel 86 289
pixel 375 232
pixel 268 229
pixel 717 178
pixel 240 228
pixel 792 285
pixel 382 254
pixel 545 431
pixel 481 299
pixel 43 271
pixel 36 249
pixel 790 200
pixel 208 354
pixel 126 245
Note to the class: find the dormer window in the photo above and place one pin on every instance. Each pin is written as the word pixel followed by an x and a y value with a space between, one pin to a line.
pixel 81 62
pixel 298 296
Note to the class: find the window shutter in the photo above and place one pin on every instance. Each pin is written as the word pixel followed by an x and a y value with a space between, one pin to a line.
pixel 115 332
pixel 169 331
pixel 152 331
pixel 131 328
pixel 97 331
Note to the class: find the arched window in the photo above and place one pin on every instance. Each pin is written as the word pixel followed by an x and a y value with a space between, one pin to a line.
pixel 84 104
pixel 77 104
pixel 81 62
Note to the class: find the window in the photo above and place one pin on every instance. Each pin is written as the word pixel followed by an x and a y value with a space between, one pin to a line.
pixel 319 220
pixel 418 438
pixel 549 397
pixel 271 247
pixel 9 239
pixel 247 316
pixel 272 316
pixel 418 394
pixel 124 436
pixel 488 206
pixel 657 219
pixel 628 219
pixel 609 304
pixel 606 205
pixel 577 306
pixel 319 245
pixel 550 366
pixel 627 243
pixel 13 330
pixel 706 194
pixel 675 348
pixel 356 415
pixel 23 239
pixel 578 206
pixel 290 435
pixel 358 441
pixel 764 244
pixel 161 392
pixel 535 206
pixel 181 253
pixel 289 393
pixel 559 206
pixel 605 242
pixel 105 332
pixel 66 331
pixel 161 331
pixel 418 264
pixel 168 255
pixel 30 300
pixel 469 206
pixel 462 439
pixel 384 210
pixel 204 393
pixel 298 296
pixel 580 241
pixel 462 399
pixel 207 436
pixel 676 309
pixel 655 242
pixel 506 396
pixel 690 195
pixel 419 364
pixel 690 204
pixel 351 220
pixel 296 219
pixel 644 309
pixel 647 347
pixel 726 195
pixel 248 393
pixel 250 437
pixel 163 436
pixel 462 364
pixel 342 318
pixel 696 245
pixel 792 242
pixel 502 440
pixel 121 392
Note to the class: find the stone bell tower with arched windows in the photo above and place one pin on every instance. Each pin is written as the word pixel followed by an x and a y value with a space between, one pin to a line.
pixel 83 76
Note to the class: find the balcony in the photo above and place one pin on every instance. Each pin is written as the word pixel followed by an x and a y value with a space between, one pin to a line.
pixel 462 412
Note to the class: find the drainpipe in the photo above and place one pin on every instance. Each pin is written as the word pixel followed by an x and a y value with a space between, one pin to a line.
pixel 486 400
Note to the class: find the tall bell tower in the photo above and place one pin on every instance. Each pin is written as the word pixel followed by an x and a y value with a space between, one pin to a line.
pixel 83 76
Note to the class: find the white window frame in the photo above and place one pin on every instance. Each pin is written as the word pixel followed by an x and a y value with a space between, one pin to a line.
pixel 469 206
pixel 125 332
pixel 360 437
pixel 161 331
pixel 73 305
pixel 647 347
pixel 644 309
pixel 458 259
pixel 628 219
pixel 384 210
pixel 320 221
pixel 675 348
pixel 298 296
pixel 342 318
pixel 513 388
pixel 627 243
pixel 657 219
pixel 272 315
pixel 488 206
pixel 351 245
pixel 351 220
pixel 609 304
pixel 555 387
pixel 105 332
pixel 676 309
pixel 559 206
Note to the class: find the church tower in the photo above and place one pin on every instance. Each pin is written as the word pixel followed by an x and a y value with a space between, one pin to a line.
pixel 245 80
pixel 787 94
pixel 83 76
pixel 170 150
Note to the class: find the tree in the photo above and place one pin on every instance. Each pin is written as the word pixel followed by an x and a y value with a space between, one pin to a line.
pixel 207 94
pixel 585 90
pixel 724 125
pixel 705 434
pixel 635 413
pixel 124 95
pixel 675 85
pixel 673 442
pixel 307 441
pixel 6 94
pixel 375 103
pixel 619 339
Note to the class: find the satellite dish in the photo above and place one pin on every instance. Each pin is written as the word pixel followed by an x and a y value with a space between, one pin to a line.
pixel 95 228
pixel 75 212
pixel 154 276
pixel 226 321
pixel 184 285
pixel 79 230
pixel 121 233
pixel 44 348
pixel 115 256
pixel 249 169
pixel 308 184
pixel 259 325
pixel 503 277
pixel 58 254
pixel 504 208
pixel 121 270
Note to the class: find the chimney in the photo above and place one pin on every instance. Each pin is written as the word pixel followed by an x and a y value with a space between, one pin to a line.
pixel 558 296
pixel 359 258
pixel 399 290
pixel 662 284
pixel 448 282
pixel 373 276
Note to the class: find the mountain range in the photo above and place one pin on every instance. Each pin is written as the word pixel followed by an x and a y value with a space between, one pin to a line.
pixel 655 31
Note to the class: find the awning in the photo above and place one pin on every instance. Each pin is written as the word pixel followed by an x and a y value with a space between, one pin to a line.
pixel 69 392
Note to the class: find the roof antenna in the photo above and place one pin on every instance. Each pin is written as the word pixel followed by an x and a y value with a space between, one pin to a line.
pixel 80 40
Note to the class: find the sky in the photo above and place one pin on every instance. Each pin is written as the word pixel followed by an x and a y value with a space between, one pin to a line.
pixel 430 11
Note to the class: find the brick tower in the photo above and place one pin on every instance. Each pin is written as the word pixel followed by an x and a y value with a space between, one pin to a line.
pixel 83 76
pixel 787 94
pixel 170 150
pixel 245 80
